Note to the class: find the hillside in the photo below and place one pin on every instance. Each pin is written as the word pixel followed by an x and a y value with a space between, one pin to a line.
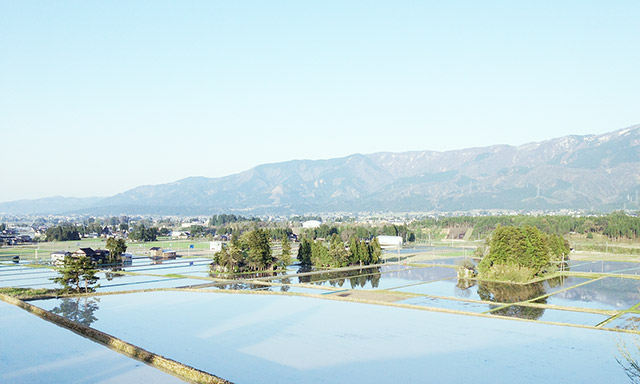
pixel 592 172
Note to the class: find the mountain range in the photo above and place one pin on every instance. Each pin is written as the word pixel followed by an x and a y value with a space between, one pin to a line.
pixel 590 172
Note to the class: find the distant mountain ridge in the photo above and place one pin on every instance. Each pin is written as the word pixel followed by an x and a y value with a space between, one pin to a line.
pixel 591 172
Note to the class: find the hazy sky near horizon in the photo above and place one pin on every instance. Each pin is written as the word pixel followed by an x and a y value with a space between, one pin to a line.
pixel 99 97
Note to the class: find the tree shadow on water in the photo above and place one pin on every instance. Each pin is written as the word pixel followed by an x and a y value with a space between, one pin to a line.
pixel 78 309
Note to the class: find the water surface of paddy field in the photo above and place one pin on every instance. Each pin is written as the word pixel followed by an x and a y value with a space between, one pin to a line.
pixel 612 267
pixel 306 340
pixel 22 276
pixel 630 321
pixel 385 277
pixel 492 291
pixel 35 351
pixel 456 305
pixel 551 315
pixel 607 293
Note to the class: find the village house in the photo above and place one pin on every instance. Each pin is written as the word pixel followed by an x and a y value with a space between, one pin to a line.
pixel 155 252
pixel 57 257
pixel 99 255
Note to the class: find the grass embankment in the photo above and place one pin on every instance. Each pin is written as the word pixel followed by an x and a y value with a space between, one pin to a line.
pixel 28 293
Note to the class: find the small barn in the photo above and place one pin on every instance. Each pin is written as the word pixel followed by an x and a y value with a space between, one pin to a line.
pixel 169 254
pixel 155 252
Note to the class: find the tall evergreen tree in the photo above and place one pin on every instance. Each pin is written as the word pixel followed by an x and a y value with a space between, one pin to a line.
pixel 76 272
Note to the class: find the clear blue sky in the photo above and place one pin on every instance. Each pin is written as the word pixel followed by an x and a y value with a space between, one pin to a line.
pixel 97 97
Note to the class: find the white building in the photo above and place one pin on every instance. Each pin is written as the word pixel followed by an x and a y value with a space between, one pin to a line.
pixel 215 246
pixel 311 224
pixel 390 241
pixel 57 258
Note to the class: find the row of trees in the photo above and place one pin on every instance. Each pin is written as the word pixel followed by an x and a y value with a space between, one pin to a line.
pixel 69 232
pixel 337 254
pixel 63 232
pixel 347 231
pixel 615 225
pixel 220 220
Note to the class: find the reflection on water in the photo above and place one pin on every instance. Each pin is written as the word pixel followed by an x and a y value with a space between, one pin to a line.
pixel 240 286
pixel 499 292
pixel 613 293
pixel 78 309
pixel 356 277
pixel 217 275
pixel 629 321
pixel 465 284
pixel 114 273
pixel 509 293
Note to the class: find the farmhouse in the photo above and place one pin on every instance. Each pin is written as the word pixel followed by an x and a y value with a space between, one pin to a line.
pixel 99 255
pixel 57 257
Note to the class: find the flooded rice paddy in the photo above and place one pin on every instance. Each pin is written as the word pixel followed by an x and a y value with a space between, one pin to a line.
pixel 219 325
pixel 35 351
pixel 245 338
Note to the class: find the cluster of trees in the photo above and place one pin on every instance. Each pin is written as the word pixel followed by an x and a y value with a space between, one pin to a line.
pixel 526 249
pixel 141 233
pixel 220 220
pixel 250 252
pixel 63 232
pixel 90 228
pixel 337 254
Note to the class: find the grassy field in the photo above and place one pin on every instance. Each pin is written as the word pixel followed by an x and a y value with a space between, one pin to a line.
pixel 42 251
pixel 602 248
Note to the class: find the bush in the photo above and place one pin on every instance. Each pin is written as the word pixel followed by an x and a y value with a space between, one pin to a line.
pixel 510 272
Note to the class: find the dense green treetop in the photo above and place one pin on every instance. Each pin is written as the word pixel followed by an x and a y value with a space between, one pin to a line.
pixel 522 247
pixel 335 253
pixel 116 248
pixel 249 252
pixel 142 233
